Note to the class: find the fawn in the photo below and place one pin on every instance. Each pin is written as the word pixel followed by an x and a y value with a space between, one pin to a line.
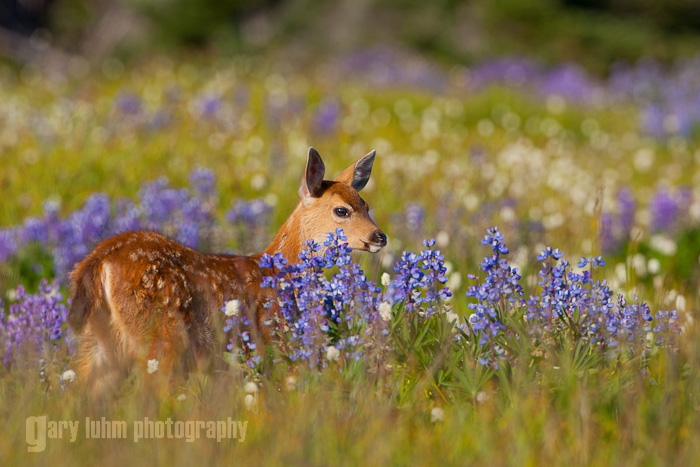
pixel 141 295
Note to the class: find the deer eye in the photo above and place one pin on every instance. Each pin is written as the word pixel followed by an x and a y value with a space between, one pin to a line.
pixel 341 212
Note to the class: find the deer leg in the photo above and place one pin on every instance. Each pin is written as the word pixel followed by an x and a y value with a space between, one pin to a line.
pixel 97 358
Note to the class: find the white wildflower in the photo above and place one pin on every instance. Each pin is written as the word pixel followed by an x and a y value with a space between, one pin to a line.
pixel 12 295
pixel 257 181
pixel 442 239
pixel 68 375
pixel 290 384
pixel 621 272
pixel 332 353
pixel 639 264
pixel 448 268
pixel 249 401
pixel 250 388
pixel 482 397
pixel 454 281
pixel 437 414
pixel 386 279
pixel 643 160
pixel 663 244
pixel 653 266
pixel 152 366
pixel 182 397
pixel 232 308
pixel 388 259
pixel 385 311
pixel 680 303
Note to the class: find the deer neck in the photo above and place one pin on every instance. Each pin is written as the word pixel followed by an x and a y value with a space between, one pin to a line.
pixel 289 239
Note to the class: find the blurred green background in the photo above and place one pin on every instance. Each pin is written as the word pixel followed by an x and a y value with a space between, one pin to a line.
pixel 595 33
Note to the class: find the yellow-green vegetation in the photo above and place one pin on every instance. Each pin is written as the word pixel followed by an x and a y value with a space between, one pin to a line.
pixel 545 168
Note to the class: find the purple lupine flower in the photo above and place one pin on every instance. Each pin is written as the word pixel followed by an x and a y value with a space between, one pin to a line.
pixel 415 217
pixel 664 211
pixel 203 182
pixel 318 311
pixel 128 103
pixel 569 81
pixel 251 219
pixel 498 291
pixel 609 236
pixel 35 230
pixel 8 243
pixel 385 66
pixel 627 207
pixel 127 216
pixel 180 213
pixel 209 106
pixel 252 213
pixel 653 116
pixel 327 116
pixel 35 323
pixel 512 71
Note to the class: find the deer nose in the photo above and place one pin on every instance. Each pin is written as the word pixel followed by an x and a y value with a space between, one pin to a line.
pixel 379 238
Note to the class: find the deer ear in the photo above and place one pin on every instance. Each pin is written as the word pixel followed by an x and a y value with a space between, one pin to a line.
pixel 357 175
pixel 313 176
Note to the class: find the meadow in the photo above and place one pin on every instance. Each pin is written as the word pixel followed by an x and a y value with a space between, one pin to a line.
pixel 535 304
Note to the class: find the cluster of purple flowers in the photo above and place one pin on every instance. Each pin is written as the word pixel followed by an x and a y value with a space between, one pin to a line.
pixel 570 306
pixel 185 214
pixel 327 305
pixel 320 311
pixel 252 213
pixel 669 212
pixel 668 97
pixel 327 116
pixel 252 218
pixel 327 300
pixel 414 217
pixel 242 342
pixel 573 305
pixel 495 295
pixel 419 281
pixel 35 323
pixel 567 80
pixel 315 311
pixel 387 66
pixel 616 227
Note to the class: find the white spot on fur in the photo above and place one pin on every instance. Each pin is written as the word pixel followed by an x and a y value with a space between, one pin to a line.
pixel 107 282
pixel 99 355
pixel 280 245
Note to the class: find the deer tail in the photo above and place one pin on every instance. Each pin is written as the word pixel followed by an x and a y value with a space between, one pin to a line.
pixel 86 293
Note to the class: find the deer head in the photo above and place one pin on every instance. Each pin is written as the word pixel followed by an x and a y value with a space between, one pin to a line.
pixel 330 204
